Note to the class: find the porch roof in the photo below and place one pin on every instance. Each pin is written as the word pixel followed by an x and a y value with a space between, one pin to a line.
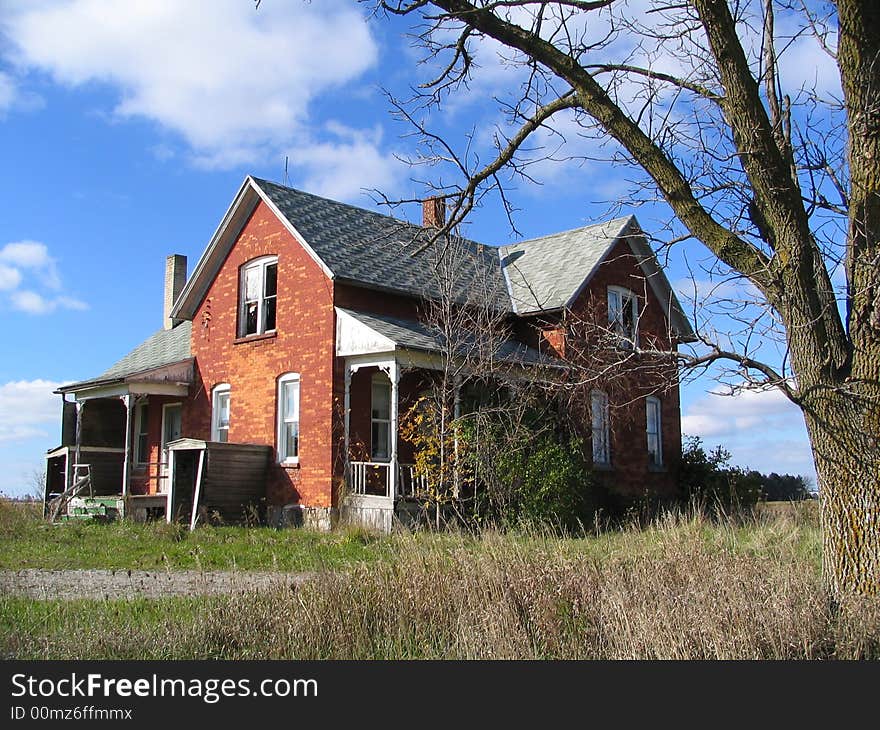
pixel 360 333
pixel 164 357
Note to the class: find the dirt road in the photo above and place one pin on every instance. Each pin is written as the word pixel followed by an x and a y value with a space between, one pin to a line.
pixel 114 584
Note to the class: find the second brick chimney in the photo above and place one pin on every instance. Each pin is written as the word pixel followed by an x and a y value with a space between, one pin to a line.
pixel 433 213
pixel 175 278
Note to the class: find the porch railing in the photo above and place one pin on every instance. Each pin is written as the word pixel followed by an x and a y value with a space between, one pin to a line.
pixel 374 478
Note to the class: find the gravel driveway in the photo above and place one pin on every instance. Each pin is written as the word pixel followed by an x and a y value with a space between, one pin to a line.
pixel 112 584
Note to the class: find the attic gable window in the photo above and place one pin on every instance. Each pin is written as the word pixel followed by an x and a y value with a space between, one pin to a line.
pixel 623 315
pixel 258 292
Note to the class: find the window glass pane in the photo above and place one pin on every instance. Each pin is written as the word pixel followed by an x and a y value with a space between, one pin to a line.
pixel 380 435
pixel 269 314
pixel 291 439
pixel 223 435
pixel 223 410
pixel 270 286
pixel 291 400
pixel 252 284
pixel 381 403
pixel 250 318
pixel 614 305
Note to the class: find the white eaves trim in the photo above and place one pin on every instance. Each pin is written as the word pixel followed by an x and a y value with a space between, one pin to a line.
pixel 356 338
pixel 246 200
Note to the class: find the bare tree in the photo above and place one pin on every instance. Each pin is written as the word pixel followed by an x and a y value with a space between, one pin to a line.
pixel 781 186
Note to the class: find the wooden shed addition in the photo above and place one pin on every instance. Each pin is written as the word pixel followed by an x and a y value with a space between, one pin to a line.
pixel 210 479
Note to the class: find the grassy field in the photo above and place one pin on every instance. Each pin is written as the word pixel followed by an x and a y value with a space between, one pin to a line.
pixel 679 588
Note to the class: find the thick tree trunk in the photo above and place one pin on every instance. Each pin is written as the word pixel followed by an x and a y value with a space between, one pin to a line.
pixel 846 446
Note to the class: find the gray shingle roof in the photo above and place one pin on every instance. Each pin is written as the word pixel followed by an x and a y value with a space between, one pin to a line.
pixel 409 334
pixel 545 273
pixel 162 348
pixel 383 252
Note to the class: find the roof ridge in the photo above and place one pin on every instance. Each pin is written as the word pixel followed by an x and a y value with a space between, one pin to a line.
pixel 624 221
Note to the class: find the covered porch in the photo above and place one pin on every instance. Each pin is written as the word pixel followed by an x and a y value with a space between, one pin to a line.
pixel 113 459
pixel 387 364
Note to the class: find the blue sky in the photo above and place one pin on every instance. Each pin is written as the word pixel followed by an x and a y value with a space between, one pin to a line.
pixel 127 128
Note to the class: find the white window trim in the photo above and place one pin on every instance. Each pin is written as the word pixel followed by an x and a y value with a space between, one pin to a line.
pixel 604 459
pixel 261 264
pixel 654 402
pixel 624 294
pixel 140 410
pixel 383 380
pixel 279 399
pixel 215 412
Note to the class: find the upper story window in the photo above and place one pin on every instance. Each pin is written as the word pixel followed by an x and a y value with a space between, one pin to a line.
pixel 654 428
pixel 623 315
pixel 600 427
pixel 258 292
pixel 288 418
pixel 380 418
pixel 220 402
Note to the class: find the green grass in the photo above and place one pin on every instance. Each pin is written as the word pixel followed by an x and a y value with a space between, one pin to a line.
pixel 680 587
pixel 28 542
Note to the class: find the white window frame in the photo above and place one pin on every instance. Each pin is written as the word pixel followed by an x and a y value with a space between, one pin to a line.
pixel 652 403
pixel 220 390
pixel 382 380
pixel 618 298
pixel 285 418
pixel 600 427
pixel 141 428
pixel 260 265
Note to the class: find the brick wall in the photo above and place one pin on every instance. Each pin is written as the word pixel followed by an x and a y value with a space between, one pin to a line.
pixel 630 473
pixel 303 343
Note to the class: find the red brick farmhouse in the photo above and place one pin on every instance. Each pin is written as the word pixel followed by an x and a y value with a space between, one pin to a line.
pixel 285 359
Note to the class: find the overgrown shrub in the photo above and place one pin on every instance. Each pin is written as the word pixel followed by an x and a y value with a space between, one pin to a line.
pixel 707 480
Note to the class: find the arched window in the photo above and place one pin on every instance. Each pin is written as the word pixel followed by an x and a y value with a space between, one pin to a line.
pixel 288 418
pixel 600 427
pixel 655 430
pixel 257 294
pixel 220 402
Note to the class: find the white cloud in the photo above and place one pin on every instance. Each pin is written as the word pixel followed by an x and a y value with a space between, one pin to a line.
pixel 33 258
pixel 34 303
pixel 28 409
pixel 762 430
pixel 7 92
pixel 9 278
pixel 236 83
pixel 718 415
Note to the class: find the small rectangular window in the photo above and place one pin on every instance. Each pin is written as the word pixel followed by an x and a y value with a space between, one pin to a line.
pixel 655 431
pixel 141 434
pixel 220 414
pixel 380 419
pixel 600 427
pixel 288 418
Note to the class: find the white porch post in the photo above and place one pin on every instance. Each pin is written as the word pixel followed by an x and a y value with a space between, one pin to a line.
pixel 393 476
pixel 80 405
pixel 169 499
pixel 346 408
pixel 126 461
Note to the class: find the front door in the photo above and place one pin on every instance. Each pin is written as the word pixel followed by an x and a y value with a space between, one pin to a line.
pixel 172 422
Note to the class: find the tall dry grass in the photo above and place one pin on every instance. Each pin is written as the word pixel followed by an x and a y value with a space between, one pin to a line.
pixel 680 589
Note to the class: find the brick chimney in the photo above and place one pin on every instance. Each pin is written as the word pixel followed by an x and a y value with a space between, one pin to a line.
pixel 433 212
pixel 175 278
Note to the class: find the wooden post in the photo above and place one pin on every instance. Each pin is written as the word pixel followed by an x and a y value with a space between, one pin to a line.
pixel 169 500
pixel 346 407
pixel 197 492
pixel 80 405
pixel 126 461
pixel 394 375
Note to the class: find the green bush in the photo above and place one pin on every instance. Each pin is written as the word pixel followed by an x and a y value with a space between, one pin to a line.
pixel 708 481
